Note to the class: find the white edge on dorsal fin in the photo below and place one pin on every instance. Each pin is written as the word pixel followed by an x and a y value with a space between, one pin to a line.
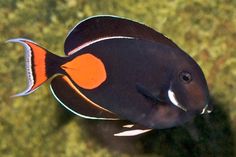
pixel 91 17
pixel 76 113
pixel 28 65
pixel 95 41
pixel 100 39
pixel 132 132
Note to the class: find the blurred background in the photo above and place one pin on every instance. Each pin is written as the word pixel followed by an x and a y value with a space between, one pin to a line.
pixel 37 126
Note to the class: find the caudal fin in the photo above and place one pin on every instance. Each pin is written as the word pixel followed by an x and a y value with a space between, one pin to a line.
pixel 36 61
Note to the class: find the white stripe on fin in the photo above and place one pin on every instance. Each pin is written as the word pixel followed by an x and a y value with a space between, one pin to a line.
pixel 28 66
pixel 76 113
pixel 95 41
pixel 132 132
pixel 128 126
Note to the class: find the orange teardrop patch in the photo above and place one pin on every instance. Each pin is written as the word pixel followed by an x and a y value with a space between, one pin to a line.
pixel 86 70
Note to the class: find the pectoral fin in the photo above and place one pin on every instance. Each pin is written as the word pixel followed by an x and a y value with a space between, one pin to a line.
pixel 148 94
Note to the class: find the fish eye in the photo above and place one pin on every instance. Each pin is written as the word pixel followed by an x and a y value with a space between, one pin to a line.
pixel 186 77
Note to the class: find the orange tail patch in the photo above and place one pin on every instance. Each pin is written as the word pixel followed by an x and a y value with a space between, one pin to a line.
pixel 86 70
pixel 36 60
pixel 39 58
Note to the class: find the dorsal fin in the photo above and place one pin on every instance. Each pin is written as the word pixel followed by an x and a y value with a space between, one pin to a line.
pixel 71 98
pixel 104 27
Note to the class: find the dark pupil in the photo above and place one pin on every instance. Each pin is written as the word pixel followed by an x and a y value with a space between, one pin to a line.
pixel 186 77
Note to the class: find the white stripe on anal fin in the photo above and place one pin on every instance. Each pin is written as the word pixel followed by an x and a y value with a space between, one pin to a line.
pixel 132 132
pixel 128 126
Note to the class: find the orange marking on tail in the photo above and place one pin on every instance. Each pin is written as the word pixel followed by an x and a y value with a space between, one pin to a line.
pixel 39 56
pixel 86 70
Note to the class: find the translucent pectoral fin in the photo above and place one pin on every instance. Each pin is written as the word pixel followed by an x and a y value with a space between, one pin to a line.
pixel 73 100
pixel 148 94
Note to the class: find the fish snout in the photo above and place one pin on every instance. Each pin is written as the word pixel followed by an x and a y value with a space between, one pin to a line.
pixel 207 109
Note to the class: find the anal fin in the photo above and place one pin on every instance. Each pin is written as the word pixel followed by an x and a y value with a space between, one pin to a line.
pixel 132 130
pixel 73 100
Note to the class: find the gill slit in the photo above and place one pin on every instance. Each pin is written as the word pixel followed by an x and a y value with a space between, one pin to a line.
pixel 174 101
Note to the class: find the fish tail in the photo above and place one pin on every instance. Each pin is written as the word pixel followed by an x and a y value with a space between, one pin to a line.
pixel 40 64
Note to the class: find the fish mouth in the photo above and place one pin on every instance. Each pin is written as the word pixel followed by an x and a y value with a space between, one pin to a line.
pixel 174 101
pixel 206 110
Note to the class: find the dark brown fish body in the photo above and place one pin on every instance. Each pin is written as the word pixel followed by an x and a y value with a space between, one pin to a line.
pixel 130 63
pixel 132 73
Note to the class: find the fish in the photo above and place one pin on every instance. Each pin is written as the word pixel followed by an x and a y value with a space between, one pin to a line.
pixel 115 68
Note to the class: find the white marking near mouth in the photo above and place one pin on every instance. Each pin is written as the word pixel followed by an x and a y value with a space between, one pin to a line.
pixel 209 111
pixel 204 110
pixel 172 98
